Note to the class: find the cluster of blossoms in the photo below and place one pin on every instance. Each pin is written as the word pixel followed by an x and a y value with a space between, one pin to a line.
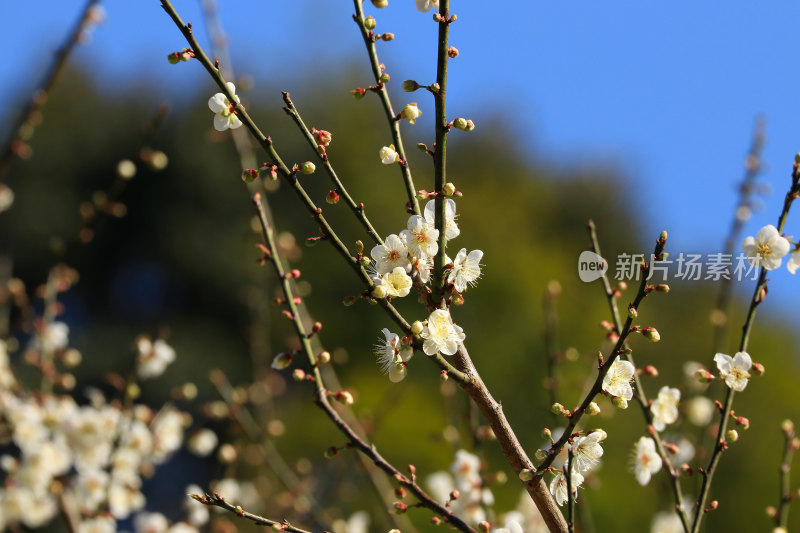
pixel 96 454
pixel 586 453
pixel 465 478
pixel 408 257
pixel 768 248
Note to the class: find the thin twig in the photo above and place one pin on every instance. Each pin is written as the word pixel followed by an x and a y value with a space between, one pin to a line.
pixel 218 501
pixel 743 207
pixel 790 446
pixel 640 395
pixel 29 118
pixel 618 349
pixel 357 209
pixel 570 499
pixel 380 88
pixel 758 296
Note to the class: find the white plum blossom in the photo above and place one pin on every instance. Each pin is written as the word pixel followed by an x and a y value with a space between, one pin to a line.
pixel 512 526
pixel 421 238
pixel 54 337
pixel 665 407
pixel 734 370
pixel 767 248
pixel 388 155
pixel 586 451
pixel 451 230
pixel 666 522
pixel 465 477
pixel 167 428
pixel 646 460
pixel 466 269
pixel 397 282
pixel 224 116
pixel 794 261
pixel 424 267
pixel 202 442
pixel 98 524
pixel 700 410
pixel 558 487
pixel 150 523
pixel 425 5
pixel 391 254
pixel 440 334
pixel 617 382
pixel 153 357
pixel 388 351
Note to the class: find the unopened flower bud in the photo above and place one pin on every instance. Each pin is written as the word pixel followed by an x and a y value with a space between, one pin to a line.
pixel 323 358
pixel 444 376
pixel 484 527
pixel 651 334
pixel 370 23
pixel 743 421
pixel 298 374
pixel 526 474
pixel 470 126
pixel 651 371
pixel 449 189
pixel 384 78
pixel 379 292
pixel 249 175
pixel 417 327
pixel 380 4
pixel 593 409
pixel 663 288
pixel 452 52
pixel 410 86
pixel 388 36
pixel 282 360
pixel 460 123
pixel 333 451
pixel 398 373
pixel 308 167
pixel 540 454
pixel 787 426
pixel 546 433
pixel 411 112
pixel 174 58
pixel 603 435
pixel 732 435
pixel 72 358
pixel 632 312
pixel 365 261
pixel 435 87
pixel 620 402
pixel 759 368
pixel 332 197
pixel 557 408
pixel 703 375
pixel 454 495
pixel 345 397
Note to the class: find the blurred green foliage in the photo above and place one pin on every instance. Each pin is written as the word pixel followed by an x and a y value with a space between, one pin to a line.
pixel 182 263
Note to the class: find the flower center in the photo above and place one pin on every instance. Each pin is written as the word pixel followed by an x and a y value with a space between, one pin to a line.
pixel 763 249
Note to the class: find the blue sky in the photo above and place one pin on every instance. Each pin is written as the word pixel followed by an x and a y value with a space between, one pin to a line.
pixel 667 93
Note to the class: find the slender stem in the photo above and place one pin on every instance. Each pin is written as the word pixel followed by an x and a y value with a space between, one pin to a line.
pixel 790 446
pixel 29 118
pixel 752 170
pixel 640 395
pixel 218 501
pixel 758 296
pixel 570 499
pixel 440 154
pixel 321 394
pixel 618 349
pixel 550 340
pixel 357 209
pixel 380 88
